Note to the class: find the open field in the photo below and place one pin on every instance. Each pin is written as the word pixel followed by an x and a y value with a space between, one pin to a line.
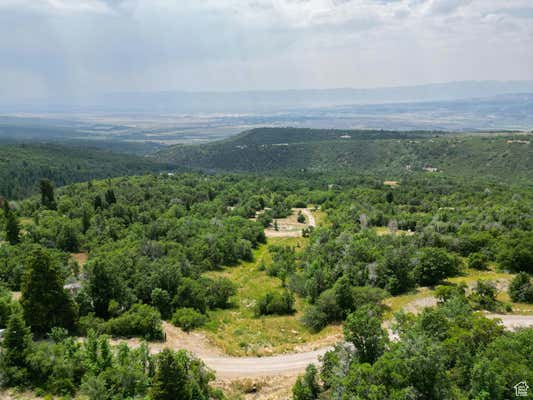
pixel 238 332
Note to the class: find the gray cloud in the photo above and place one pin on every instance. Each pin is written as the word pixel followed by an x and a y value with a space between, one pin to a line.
pixel 56 47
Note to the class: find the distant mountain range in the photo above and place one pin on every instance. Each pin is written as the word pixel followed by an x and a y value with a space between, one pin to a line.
pixel 265 101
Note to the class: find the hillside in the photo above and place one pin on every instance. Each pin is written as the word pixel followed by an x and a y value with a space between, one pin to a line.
pixel 505 155
pixel 23 165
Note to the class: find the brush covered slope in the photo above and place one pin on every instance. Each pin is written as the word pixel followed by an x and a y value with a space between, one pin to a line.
pixel 22 166
pixel 506 155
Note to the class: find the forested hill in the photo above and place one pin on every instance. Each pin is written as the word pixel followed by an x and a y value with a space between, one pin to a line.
pixel 507 155
pixel 22 166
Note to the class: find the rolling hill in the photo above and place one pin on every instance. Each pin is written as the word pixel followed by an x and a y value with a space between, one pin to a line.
pixel 507 155
pixel 22 166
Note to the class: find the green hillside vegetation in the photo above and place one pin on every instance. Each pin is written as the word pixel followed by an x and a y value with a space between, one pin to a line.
pixel 162 247
pixel 22 166
pixel 380 152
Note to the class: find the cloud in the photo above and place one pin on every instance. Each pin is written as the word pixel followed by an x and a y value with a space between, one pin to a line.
pixel 66 46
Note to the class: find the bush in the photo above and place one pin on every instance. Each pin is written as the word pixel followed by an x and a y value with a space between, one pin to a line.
pixel 219 291
pixel 434 264
pixel 275 303
pixel 188 319
pixel 314 319
pixel 140 320
pixel 478 261
pixel 521 288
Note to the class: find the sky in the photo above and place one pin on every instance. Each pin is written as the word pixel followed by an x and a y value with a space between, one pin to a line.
pixel 78 47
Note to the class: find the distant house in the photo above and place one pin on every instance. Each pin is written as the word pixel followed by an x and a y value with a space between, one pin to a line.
pixel 521 389
pixel 430 169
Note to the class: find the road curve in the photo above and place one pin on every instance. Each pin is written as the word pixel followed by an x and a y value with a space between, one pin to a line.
pixel 291 364
pixel 247 367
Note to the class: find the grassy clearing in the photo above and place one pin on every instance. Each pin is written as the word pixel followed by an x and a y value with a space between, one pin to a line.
pixel 397 303
pixel 422 296
pixel 237 332
pixel 383 230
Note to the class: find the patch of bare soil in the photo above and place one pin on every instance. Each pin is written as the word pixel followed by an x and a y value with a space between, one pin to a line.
pixel 263 388
pixel 289 226
pixel 13 395
pixel 419 304
pixel 80 258
pixel 321 343
pixel 176 339
pixel 391 183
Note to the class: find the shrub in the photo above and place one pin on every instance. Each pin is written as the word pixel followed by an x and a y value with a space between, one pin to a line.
pixel 219 291
pixel 314 319
pixel 433 265
pixel 140 320
pixel 478 261
pixel 521 288
pixel 275 303
pixel 188 319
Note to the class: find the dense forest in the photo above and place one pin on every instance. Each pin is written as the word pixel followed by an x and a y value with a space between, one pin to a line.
pixel 151 240
pixel 23 165
pixel 507 157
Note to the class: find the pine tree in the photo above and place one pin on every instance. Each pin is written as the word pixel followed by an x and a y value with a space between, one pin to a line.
pixel 97 203
pixel 16 345
pixel 44 301
pixel 110 197
pixel 47 194
pixel 12 227
pixel 170 380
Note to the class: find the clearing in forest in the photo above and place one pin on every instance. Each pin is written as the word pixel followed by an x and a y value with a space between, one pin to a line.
pixel 239 333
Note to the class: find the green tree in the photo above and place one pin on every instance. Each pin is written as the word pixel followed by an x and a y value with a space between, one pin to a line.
pixel 521 288
pixel 110 197
pixel 170 381
pixel 44 301
pixel 363 329
pixel 188 319
pixel 16 345
pixel 12 228
pixel 306 386
pixel 103 285
pixel 47 194
pixel 434 264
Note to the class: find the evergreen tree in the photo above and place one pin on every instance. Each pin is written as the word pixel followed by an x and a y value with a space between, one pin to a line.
pixel 171 379
pixel 363 329
pixel 307 387
pixel 97 203
pixel 44 301
pixel 16 345
pixel 110 197
pixel 47 194
pixel 12 228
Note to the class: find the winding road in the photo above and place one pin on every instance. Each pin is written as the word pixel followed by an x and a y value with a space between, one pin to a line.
pixel 227 367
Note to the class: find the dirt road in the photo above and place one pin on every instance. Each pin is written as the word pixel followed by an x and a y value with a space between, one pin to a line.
pixel 248 367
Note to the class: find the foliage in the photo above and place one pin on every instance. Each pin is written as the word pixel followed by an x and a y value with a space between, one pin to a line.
pixel 140 320
pixel 180 376
pixel 188 319
pixel 445 352
pixel 521 288
pixel 279 303
pixel 44 301
pixel 363 329
pixel 306 386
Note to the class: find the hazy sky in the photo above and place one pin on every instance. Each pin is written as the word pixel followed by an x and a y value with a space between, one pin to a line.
pixel 57 47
